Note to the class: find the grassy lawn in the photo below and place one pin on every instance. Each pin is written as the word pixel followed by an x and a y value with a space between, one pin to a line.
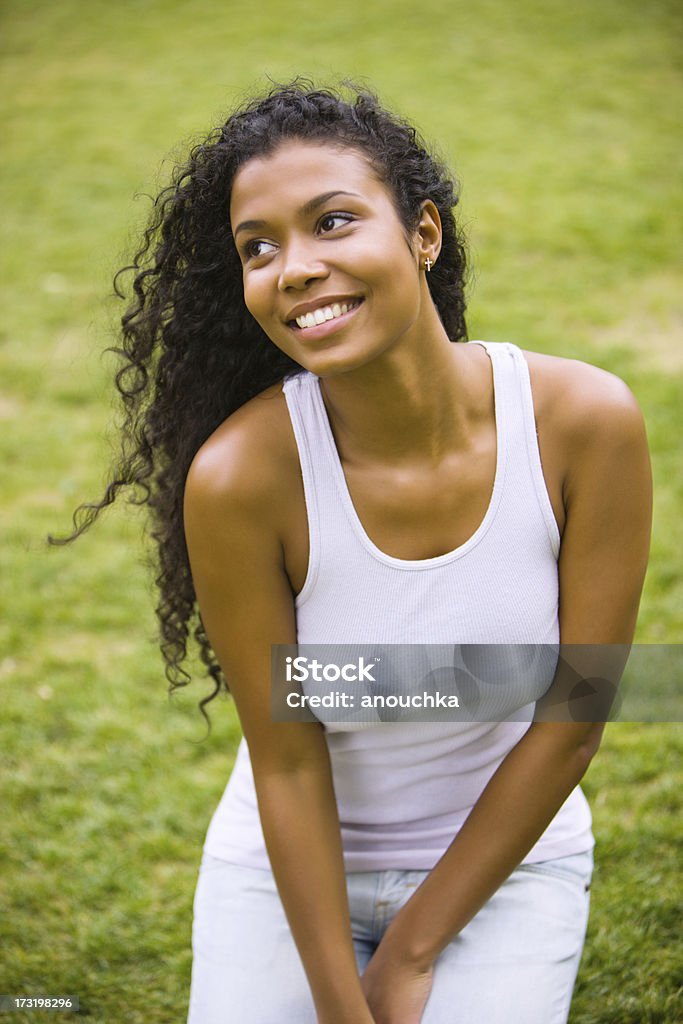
pixel 561 121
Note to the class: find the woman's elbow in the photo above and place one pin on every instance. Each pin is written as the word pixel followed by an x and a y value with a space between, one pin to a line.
pixel 592 740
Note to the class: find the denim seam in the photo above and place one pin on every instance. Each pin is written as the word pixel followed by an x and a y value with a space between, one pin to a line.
pixel 568 876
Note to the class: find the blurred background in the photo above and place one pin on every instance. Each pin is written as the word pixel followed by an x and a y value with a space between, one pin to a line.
pixel 562 122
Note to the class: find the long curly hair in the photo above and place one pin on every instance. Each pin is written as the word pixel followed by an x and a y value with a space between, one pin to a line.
pixel 191 353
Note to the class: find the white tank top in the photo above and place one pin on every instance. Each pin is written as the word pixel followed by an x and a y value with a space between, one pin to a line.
pixel 404 789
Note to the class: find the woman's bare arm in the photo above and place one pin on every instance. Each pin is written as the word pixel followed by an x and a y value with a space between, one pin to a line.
pixel 602 567
pixel 246 605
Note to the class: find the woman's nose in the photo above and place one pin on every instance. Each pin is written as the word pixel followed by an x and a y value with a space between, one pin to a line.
pixel 300 265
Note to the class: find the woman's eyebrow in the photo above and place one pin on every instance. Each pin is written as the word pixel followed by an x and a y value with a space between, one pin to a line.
pixel 309 207
pixel 313 204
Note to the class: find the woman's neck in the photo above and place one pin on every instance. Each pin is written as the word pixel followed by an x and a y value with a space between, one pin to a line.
pixel 411 404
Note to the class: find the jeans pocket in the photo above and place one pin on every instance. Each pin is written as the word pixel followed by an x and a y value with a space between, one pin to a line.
pixel 576 868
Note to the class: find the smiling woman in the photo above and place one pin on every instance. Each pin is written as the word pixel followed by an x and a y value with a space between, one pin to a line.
pixel 323 465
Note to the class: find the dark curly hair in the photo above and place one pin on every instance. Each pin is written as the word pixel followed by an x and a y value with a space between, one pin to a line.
pixel 192 353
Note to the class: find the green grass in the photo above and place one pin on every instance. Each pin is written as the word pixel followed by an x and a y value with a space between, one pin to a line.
pixel 561 120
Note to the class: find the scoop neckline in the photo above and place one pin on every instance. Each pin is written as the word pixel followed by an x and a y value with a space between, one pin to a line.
pixel 496 490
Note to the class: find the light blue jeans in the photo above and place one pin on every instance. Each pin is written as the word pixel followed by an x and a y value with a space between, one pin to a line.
pixel 514 963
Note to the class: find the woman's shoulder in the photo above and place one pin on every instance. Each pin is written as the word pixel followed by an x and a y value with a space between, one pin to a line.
pixel 577 398
pixel 250 457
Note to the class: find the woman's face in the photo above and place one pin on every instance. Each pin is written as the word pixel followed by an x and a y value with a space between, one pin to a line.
pixel 328 271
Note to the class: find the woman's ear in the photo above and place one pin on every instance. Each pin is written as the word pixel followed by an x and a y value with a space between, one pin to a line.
pixel 428 234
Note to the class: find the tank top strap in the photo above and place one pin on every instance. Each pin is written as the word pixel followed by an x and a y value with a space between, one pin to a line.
pixel 328 525
pixel 524 483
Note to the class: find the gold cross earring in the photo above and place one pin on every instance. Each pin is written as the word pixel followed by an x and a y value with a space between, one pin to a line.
pixel 428 264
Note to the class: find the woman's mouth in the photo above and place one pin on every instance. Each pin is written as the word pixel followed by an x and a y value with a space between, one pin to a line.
pixel 324 314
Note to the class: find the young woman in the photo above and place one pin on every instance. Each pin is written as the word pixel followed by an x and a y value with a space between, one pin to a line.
pixel 327 461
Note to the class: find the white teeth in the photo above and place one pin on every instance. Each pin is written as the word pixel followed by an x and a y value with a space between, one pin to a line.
pixel 325 313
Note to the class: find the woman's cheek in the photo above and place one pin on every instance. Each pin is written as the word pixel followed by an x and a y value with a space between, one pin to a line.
pixel 255 300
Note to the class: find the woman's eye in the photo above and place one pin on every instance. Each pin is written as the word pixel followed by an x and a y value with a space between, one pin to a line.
pixel 333 220
pixel 257 247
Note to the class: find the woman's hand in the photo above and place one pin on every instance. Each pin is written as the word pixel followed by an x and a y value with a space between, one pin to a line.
pixel 396 989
